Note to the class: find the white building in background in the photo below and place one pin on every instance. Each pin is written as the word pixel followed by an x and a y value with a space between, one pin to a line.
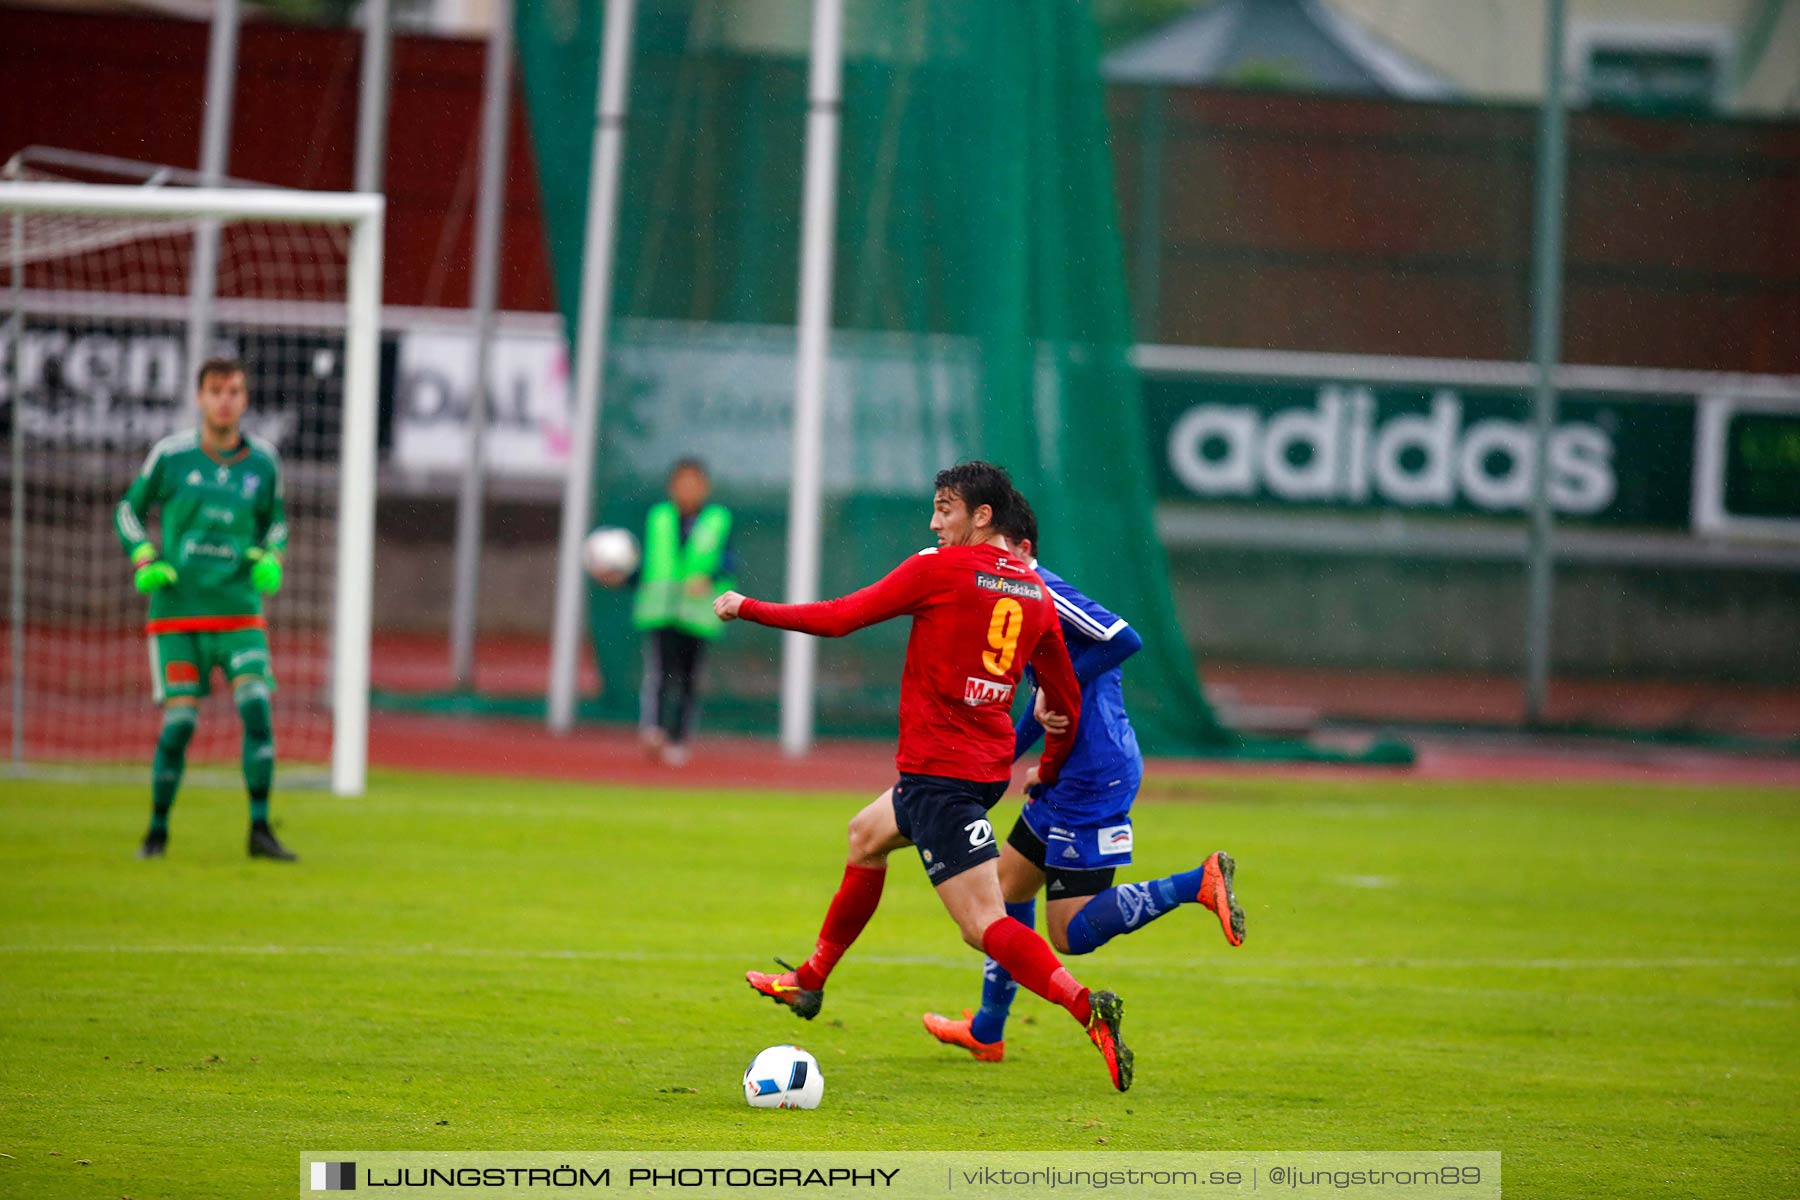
pixel 1739 57
pixel 1302 45
pixel 1726 56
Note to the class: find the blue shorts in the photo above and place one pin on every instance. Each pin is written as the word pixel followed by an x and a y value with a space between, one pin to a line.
pixel 1073 847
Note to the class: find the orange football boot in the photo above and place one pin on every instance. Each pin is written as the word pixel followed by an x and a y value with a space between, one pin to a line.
pixel 1103 1031
pixel 956 1033
pixel 1216 894
pixel 785 989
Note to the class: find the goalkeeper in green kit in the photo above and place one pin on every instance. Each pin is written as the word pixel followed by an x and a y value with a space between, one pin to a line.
pixel 224 533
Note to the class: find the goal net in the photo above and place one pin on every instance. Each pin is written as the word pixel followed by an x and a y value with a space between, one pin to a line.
pixel 103 330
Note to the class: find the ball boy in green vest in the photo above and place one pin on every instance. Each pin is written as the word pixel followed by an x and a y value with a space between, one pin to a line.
pixel 687 561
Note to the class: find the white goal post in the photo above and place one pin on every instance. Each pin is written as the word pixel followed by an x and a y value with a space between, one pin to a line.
pixel 347 304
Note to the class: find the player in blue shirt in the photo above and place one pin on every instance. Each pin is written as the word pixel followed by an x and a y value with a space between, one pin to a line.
pixel 1075 834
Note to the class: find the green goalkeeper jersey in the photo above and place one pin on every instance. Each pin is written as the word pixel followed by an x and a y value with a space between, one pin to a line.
pixel 214 512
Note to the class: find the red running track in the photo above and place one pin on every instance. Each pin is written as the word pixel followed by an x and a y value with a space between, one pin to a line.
pixel 612 755
pixel 102 678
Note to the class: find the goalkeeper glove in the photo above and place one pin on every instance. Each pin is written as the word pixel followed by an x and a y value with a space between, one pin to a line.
pixel 265 571
pixel 153 574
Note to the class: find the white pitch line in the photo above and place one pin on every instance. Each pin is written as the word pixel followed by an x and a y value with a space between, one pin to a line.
pixel 1309 964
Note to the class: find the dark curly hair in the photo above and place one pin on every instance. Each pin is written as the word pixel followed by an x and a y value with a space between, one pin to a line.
pixel 977 483
pixel 1021 524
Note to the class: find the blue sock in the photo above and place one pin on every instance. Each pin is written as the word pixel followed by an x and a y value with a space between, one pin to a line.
pixel 997 987
pixel 1128 906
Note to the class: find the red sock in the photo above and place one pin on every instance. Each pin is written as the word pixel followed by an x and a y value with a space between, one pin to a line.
pixel 1029 959
pixel 850 910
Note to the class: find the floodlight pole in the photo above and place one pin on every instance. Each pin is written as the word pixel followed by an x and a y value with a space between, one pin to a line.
pixel 215 149
pixel 1546 330
pixel 372 116
pixel 489 205
pixel 824 113
pixel 590 355
pixel 16 584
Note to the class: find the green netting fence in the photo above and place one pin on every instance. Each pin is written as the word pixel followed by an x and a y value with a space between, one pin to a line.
pixel 979 311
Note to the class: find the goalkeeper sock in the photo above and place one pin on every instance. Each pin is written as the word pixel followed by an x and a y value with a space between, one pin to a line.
pixel 1130 906
pixel 855 902
pixel 259 746
pixel 170 760
pixel 997 987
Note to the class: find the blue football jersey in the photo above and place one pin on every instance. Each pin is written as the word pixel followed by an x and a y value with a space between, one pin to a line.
pixel 1100 779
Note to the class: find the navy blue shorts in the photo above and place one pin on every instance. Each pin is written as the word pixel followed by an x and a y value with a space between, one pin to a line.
pixel 947 820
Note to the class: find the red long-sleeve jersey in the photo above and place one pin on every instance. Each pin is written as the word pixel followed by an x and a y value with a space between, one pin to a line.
pixel 979 615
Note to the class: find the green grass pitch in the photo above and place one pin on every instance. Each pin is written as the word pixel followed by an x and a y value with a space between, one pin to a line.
pixel 1600 982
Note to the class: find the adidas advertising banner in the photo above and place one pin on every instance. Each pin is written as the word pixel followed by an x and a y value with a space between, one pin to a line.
pixel 1613 459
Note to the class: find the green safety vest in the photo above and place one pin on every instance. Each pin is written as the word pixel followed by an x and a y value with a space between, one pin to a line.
pixel 669 565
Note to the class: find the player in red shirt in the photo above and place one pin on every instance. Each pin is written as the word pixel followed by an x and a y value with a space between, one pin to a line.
pixel 979 615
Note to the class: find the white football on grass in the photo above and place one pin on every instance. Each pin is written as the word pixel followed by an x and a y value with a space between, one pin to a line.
pixel 783 1077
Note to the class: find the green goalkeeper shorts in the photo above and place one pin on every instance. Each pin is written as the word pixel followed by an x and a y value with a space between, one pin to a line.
pixel 181 664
